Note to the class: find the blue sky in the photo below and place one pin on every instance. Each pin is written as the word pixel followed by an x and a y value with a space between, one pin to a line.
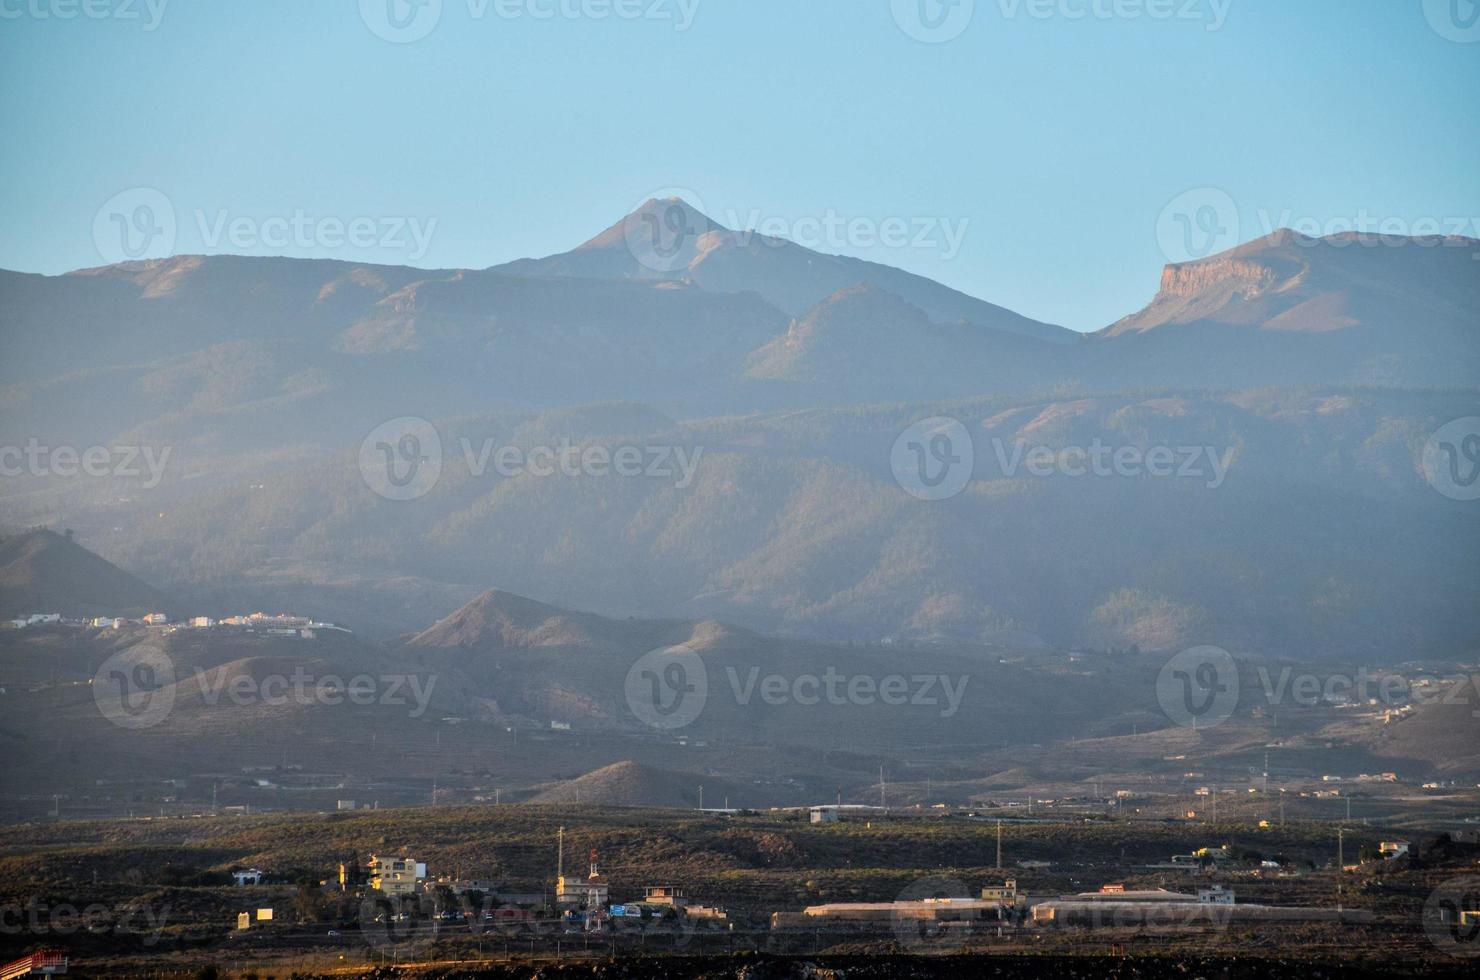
pixel 1050 136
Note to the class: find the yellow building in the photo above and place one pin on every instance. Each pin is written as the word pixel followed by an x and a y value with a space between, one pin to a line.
pixel 1005 893
pixel 395 876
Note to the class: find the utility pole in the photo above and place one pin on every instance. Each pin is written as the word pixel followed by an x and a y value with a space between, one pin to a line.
pixel 1340 862
pixel 999 845
pixel 701 796
pixel 560 859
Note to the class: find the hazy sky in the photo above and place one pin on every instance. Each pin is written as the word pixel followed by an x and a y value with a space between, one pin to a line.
pixel 1025 151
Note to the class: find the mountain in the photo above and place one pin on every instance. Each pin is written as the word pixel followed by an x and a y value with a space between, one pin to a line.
pixel 220 356
pixel 669 239
pixel 630 784
pixel 498 623
pixel 841 345
pixel 42 571
pixel 1290 309
pixel 1309 373
pixel 1443 730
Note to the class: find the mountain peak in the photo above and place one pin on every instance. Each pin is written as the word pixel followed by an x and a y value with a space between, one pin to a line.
pixel 1289 282
pixel 42 571
pixel 654 221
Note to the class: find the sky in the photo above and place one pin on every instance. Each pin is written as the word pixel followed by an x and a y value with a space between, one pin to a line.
pixel 1046 155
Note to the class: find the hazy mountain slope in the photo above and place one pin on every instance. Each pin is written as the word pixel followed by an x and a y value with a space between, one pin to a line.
pixel 632 784
pixel 1444 732
pixel 843 345
pixel 42 571
pixel 669 239
pixel 793 523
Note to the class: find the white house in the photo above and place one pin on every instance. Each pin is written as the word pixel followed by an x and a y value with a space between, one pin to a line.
pixel 251 876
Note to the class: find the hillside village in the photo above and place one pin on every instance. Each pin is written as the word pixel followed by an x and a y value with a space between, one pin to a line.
pixel 274 624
